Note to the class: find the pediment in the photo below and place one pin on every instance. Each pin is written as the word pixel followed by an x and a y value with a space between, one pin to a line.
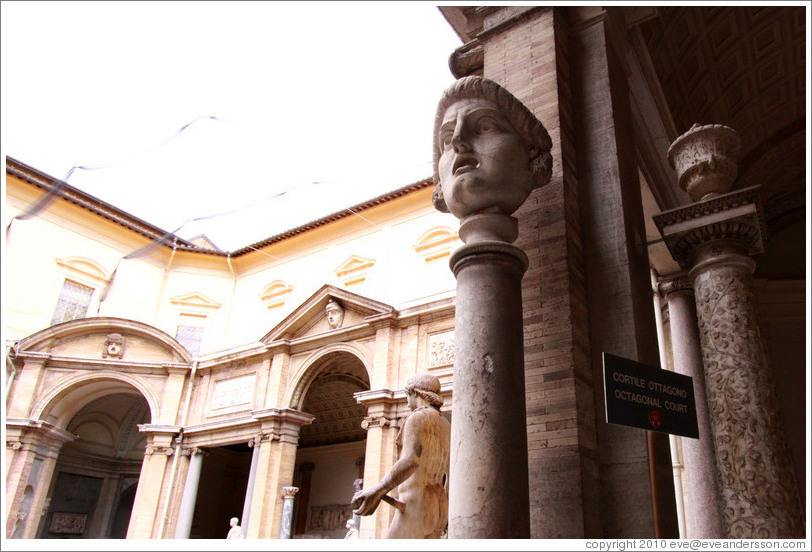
pixel 310 318
pixel 195 300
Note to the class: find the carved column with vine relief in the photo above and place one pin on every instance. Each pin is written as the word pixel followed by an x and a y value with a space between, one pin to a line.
pixel 714 239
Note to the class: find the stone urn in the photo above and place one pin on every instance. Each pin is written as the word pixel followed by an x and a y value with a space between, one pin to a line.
pixel 705 159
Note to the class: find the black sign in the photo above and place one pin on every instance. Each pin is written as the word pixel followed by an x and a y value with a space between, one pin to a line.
pixel 642 396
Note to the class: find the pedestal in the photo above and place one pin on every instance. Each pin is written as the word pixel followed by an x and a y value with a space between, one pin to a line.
pixel 488 488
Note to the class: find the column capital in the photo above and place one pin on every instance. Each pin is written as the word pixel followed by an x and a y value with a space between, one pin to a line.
pixel 282 424
pixel 673 283
pixel 735 218
pixel 289 492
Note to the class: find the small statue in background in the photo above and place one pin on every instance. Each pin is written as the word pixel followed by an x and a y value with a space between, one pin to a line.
pixel 352 531
pixel 236 531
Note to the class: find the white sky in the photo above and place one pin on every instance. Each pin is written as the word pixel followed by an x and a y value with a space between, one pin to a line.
pixel 341 93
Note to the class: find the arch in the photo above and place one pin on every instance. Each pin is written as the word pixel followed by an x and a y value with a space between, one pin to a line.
pixel 435 243
pixel 83 269
pixel 294 397
pixel 68 396
pixel 275 294
pixel 104 324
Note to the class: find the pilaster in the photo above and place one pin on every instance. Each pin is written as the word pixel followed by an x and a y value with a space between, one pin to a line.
pixel 144 520
pixel 277 458
pixel 36 445
pixel 382 424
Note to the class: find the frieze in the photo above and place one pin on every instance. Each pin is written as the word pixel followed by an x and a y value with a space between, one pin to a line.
pixel 441 349
pixel 329 517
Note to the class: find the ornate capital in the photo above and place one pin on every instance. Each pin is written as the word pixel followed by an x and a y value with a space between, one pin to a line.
pixel 674 283
pixel 150 450
pixel 289 492
pixel 377 421
pixel 735 217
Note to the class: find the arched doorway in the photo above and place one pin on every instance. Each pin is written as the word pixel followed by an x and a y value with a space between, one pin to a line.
pixel 95 477
pixel 331 450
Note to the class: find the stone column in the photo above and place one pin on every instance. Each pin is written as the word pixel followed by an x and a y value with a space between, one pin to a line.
pixel 488 489
pixel 252 477
pixel 704 518
pixel 305 474
pixel 288 493
pixel 189 498
pixel 713 239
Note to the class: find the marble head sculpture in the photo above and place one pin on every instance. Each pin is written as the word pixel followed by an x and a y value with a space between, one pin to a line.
pixel 335 314
pixel 490 151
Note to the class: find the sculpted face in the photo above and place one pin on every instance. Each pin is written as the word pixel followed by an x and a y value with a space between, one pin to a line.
pixel 484 166
pixel 335 316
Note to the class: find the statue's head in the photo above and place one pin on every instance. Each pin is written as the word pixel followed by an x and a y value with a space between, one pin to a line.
pixel 490 151
pixel 425 386
pixel 335 314
pixel 233 521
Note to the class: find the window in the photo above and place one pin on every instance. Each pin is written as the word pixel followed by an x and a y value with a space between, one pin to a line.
pixel 73 302
pixel 190 332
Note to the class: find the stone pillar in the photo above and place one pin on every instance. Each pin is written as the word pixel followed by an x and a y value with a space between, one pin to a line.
pixel 704 518
pixel 252 477
pixel 713 239
pixel 37 445
pixel 288 493
pixel 488 490
pixel 305 474
pixel 381 425
pixel 276 463
pixel 187 503
pixel 145 518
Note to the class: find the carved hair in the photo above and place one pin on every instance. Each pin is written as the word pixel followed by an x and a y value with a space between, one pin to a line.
pixel 425 386
pixel 333 304
pixel 527 126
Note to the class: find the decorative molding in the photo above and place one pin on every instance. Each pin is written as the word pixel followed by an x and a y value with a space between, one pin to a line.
pixel 468 59
pixel 734 216
pixel 436 243
pixel 275 294
pixel 354 270
pixel 86 271
pixel 195 302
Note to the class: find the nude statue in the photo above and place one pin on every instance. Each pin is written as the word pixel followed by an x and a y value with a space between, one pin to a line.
pixel 335 314
pixel 421 471
pixel 490 151
pixel 236 531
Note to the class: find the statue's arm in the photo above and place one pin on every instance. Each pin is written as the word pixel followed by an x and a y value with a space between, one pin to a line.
pixel 365 502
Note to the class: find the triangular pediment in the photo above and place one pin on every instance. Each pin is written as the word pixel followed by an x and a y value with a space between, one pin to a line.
pixel 310 318
pixel 195 300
